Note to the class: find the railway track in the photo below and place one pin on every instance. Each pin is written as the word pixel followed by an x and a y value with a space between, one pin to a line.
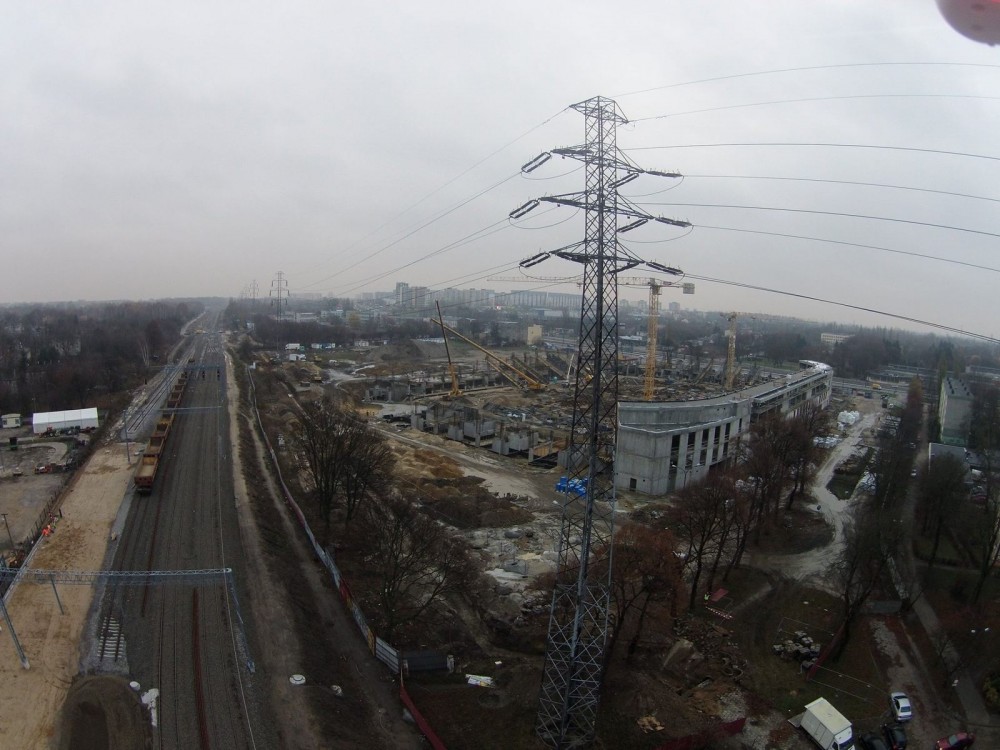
pixel 184 640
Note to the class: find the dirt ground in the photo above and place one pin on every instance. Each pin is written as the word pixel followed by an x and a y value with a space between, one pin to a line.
pixel 103 712
pixel 32 698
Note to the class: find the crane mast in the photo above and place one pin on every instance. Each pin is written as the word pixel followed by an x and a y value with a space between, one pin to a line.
pixel 649 384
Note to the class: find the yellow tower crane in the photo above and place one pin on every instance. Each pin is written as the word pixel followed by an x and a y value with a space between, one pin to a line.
pixel 731 351
pixel 652 322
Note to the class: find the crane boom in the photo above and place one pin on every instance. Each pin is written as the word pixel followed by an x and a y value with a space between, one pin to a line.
pixel 501 364
pixel 455 389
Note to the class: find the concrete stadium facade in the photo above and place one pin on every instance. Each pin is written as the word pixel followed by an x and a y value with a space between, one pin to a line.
pixel 666 445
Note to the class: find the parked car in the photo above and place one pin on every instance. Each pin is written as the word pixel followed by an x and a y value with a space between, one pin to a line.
pixel 872 741
pixel 955 741
pixel 895 736
pixel 900 706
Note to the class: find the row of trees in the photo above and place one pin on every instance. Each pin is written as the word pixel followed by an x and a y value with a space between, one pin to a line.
pixel 715 520
pixel 953 503
pixel 350 468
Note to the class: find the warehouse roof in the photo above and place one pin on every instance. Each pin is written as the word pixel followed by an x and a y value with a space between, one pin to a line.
pixel 61 417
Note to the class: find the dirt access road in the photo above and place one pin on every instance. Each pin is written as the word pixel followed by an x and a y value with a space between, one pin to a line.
pixel 816 566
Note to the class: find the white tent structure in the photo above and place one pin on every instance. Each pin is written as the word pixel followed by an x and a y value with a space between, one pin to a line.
pixel 64 420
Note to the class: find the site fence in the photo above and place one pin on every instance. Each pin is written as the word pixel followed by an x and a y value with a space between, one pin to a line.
pixel 25 548
pixel 382 650
pixel 418 718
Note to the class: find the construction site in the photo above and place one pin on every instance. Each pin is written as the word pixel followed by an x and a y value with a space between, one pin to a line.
pixel 483 438
pixel 534 455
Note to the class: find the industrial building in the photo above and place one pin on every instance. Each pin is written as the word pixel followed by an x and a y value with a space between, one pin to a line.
pixel 954 411
pixel 664 446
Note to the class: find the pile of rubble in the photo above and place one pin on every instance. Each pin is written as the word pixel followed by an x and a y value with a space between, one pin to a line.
pixel 800 647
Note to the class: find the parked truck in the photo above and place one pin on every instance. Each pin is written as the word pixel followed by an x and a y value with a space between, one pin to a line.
pixel 827 726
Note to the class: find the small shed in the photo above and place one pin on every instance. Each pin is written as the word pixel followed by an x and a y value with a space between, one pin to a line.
pixel 11 420
pixel 81 419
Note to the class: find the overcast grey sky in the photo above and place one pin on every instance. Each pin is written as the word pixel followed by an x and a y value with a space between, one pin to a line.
pixel 177 149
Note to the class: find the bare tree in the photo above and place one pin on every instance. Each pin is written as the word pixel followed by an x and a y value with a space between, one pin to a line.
pixel 942 495
pixel 803 453
pixel 698 518
pixel 329 436
pixel 416 560
pixel 984 531
pixel 368 468
pixel 646 570
pixel 766 462
pixel 871 538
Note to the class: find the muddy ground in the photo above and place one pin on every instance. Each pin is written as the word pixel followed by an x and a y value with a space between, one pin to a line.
pixel 103 712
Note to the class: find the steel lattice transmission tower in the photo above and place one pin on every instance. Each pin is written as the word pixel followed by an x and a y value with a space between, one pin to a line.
pixel 578 619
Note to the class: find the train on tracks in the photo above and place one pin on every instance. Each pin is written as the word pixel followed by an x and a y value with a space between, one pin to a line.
pixel 145 474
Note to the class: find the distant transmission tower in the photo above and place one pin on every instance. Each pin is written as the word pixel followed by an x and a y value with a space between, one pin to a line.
pixel 578 619
pixel 279 292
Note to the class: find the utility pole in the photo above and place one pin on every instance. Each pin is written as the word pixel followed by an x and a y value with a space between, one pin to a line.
pixel 578 618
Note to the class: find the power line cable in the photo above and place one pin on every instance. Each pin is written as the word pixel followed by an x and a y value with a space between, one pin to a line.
pixel 412 232
pixel 478 234
pixel 854 183
pixel 830 213
pixel 907 318
pixel 801 100
pixel 454 179
pixel 802 69
pixel 845 243
pixel 818 145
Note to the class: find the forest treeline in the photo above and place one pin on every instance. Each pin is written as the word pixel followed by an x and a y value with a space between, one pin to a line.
pixel 71 356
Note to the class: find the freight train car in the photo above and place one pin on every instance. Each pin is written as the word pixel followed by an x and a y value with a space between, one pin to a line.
pixel 149 464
